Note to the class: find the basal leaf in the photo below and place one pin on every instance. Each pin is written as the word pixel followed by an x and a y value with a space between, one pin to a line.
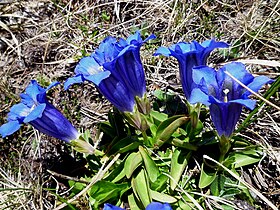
pixel 140 186
pixel 168 127
pixel 150 165
pixel 246 157
pixel 132 162
pixel 161 197
pixel 179 162
pixel 206 177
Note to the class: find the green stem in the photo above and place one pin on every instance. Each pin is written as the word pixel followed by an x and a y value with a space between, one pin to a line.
pixel 224 146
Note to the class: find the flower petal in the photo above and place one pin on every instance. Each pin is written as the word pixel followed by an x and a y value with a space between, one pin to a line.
pixel 73 80
pixel 162 51
pixel 249 103
pixel 209 75
pixel 108 206
pixel 197 96
pixel 97 78
pixel 35 113
pixel 257 83
pixel 9 128
pixel 158 206
pixel 88 66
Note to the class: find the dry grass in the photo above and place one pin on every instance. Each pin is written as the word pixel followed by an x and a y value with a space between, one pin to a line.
pixel 44 39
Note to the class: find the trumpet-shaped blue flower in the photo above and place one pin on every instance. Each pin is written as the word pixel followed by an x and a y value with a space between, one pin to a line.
pixel 108 206
pixel 224 96
pixel 158 206
pixel 38 112
pixel 116 69
pixel 190 55
pixel 151 206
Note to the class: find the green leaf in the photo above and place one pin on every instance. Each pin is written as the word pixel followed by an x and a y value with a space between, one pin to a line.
pixel 150 165
pixel 206 177
pixel 76 187
pixel 132 162
pixel 161 197
pixel 160 184
pixel 132 202
pixel 124 145
pixel 179 162
pixel 158 117
pixel 218 185
pixel 117 173
pixel 168 127
pixel 245 157
pixel 103 191
pixel 140 186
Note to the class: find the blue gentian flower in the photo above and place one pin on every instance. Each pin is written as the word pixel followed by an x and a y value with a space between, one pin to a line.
pixel 108 206
pixel 151 206
pixel 158 206
pixel 190 55
pixel 38 112
pixel 116 69
pixel 224 96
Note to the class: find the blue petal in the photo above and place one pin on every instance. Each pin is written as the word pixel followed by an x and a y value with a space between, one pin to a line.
pixel 152 36
pixel 163 51
pixel 9 128
pixel 97 78
pixel 213 44
pixel 257 83
pixel 26 99
pixel 249 103
pixel 34 89
pixel 134 37
pixel 88 66
pixel 209 75
pixel 197 96
pixel 158 206
pixel 20 110
pixel 73 80
pixel 35 113
pixel 108 206
pixel 52 85
pixel 238 71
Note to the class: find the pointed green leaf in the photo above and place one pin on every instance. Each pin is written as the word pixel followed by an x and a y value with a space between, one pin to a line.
pixel 206 177
pixel 179 162
pixel 117 173
pixel 103 191
pixel 246 157
pixel 158 117
pixel 132 202
pixel 150 165
pixel 161 197
pixel 140 186
pixel 218 185
pixel 132 162
pixel 168 127
pixel 124 145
